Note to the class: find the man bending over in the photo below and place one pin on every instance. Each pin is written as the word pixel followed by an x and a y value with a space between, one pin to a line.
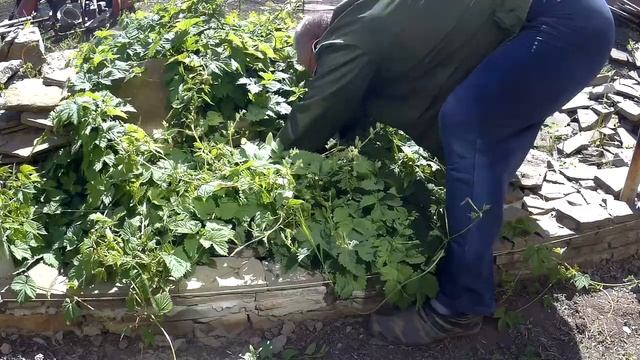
pixel 471 81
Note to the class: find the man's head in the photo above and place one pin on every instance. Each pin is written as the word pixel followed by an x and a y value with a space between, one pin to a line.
pixel 310 29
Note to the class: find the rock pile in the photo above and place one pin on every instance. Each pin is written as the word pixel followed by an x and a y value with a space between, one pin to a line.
pixel 34 84
pixel 581 157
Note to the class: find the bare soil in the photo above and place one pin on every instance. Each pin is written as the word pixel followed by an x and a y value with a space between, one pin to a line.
pixel 558 324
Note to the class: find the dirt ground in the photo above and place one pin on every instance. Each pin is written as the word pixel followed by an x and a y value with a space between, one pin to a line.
pixel 559 325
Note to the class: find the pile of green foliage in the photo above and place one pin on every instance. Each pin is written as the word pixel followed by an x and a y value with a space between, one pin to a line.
pixel 120 205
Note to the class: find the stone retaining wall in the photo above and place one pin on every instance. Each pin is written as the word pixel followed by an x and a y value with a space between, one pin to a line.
pixel 246 297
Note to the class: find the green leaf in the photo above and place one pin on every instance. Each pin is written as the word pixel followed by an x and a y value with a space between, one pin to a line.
pixel 20 250
pixel 25 288
pixel 581 281
pixel 227 209
pixel 507 319
pixel 177 267
pixel 218 236
pixel 346 284
pixel 186 226
pixel 51 260
pixel 214 118
pixel 162 303
pixel 348 259
pixel 71 310
pixel 289 354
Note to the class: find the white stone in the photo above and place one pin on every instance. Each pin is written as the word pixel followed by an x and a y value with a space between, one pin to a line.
pixel 6 349
pixel 580 101
pixel 628 141
pixel 535 205
pixel 591 196
pixel 588 119
pixel 31 95
pixel 59 77
pixel 39 120
pixel 582 218
pixel 227 272
pixel 28 47
pixel 629 110
pixel 557 120
pixel 625 89
pixel 620 56
pixel 587 184
pixel 575 199
pixel 554 177
pixel 579 171
pixel 550 228
pixel 576 143
pixel 620 211
pixel 56 61
pixel 551 191
pixel 532 171
pixel 611 180
pixel 602 109
pixel 620 157
pixel 47 279
pixel 601 79
pixel 8 69
pixel 599 91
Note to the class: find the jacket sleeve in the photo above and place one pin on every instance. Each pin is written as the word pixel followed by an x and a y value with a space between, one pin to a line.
pixel 335 97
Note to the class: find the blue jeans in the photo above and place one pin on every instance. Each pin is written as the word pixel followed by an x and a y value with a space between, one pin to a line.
pixel 489 123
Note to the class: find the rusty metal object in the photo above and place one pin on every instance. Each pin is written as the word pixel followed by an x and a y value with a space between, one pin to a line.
pixel 630 189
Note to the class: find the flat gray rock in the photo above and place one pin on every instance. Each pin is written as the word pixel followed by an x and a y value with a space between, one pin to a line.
pixel 601 79
pixel 621 56
pixel 38 120
pixel 600 91
pixel 580 101
pixel 575 199
pixel 620 157
pixel 28 47
pixel 591 197
pixel 554 177
pixel 532 171
pixel 557 120
pixel 535 205
pixel 550 228
pixel 630 110
pixel 587 184
pixel 9 119
pixel 59 78
pixel 587 119
pixel 602 109
pixel 551 191
pixel 620 211
pixel 625 89
pixel 579 172
pixel 26 143
pixel 32 95
pixel 628 141
pixel 583 218
pixel 8 69
pixel 56 61
pixel 611 181
pixel 576 143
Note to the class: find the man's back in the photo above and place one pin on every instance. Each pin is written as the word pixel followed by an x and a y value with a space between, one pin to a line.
pixel 399 60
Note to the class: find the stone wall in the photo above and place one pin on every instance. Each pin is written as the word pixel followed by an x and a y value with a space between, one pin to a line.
pixel 247 297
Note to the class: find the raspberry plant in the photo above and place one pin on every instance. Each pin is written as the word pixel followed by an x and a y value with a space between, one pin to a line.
pixel 120 205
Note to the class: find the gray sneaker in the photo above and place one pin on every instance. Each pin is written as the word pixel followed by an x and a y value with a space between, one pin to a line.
pixel 422 326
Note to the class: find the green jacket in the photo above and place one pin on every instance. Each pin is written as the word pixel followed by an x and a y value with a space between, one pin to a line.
pixel 395 62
